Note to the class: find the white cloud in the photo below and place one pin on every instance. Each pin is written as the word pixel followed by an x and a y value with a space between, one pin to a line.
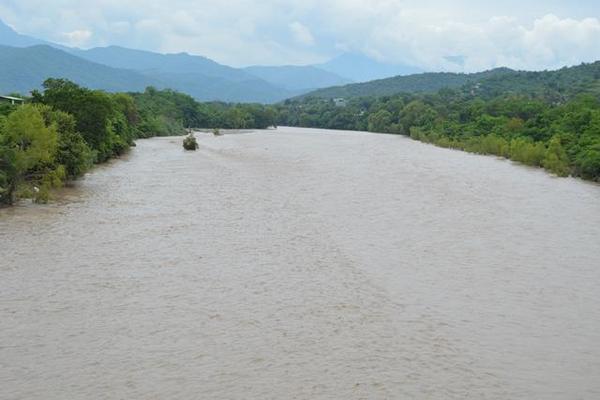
pixel 554 41
pixel 77 38
pixel 302 34
pixel 529 35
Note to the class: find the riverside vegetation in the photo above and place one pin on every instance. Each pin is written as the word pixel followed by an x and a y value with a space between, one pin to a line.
pixel 545 119
pixel 63 130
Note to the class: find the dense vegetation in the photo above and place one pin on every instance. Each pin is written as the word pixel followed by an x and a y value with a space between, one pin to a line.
pixel 549 84
pixel 166 112
pixel 551 128
pixel 61 132
pixel 429 82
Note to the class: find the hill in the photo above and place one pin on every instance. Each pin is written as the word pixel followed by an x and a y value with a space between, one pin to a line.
pixel 24 69
pixel 487 84
pixel 419 83
pixel 553 85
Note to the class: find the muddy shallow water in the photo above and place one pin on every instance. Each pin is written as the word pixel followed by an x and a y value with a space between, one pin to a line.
pixel 303 264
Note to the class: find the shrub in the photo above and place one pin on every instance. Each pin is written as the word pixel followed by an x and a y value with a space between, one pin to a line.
pixel 556 159
pixel 190 143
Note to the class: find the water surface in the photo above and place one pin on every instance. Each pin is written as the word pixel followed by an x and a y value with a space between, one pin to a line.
pixel 303 264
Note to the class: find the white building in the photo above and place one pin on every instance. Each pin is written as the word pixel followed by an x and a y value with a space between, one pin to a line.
pixel 340 102
pixel 12 100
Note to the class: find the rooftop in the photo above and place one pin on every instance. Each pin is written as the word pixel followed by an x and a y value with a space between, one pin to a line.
pixel 11 98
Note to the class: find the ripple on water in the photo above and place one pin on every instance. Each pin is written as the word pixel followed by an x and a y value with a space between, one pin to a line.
pixel 303 264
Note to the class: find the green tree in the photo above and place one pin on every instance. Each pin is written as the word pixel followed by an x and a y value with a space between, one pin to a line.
pixel 28 146
pixel 417 113
pixel 380 121
pixel 588 162
pixel 556 159
pixel 92 109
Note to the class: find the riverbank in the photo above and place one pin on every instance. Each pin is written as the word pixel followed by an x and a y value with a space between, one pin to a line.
pixel 561 135
pixel 61 132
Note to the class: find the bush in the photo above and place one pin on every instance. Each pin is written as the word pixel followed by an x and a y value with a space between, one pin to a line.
pixel 190 143
pixel 527 152
pixel 588 162
pixel 556 159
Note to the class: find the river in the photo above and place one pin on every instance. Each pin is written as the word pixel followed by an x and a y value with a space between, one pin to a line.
pixel 303 264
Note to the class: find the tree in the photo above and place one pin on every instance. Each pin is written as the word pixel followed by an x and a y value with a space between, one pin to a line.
pixel 28 147
pixel 417 113
pixel 588 162
pixel 72 151
pixel 380 121
pixel 92 109
pixel 556 159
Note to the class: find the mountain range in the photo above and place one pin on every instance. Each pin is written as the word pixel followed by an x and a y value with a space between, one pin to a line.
pixel 24 69
pixel 25 62
pixel 28 61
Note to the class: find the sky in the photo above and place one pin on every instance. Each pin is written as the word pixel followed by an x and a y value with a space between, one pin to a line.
pixel 436 35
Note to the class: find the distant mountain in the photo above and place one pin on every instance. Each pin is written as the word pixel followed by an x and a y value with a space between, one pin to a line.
pixel 120 69
pixel 206 79
pixel 297 78
pixel 130 70
pixel 140 60
pixel 197 76
pixel 24 69
pixel 210 88
pixel 359 68
pixel 8 37
pixel 417 83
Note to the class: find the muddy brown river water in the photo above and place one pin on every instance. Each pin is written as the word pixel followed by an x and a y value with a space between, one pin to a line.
pixel 303 264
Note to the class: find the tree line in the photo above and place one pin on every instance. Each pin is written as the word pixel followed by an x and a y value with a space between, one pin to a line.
pixel 65 129
pixel 561 134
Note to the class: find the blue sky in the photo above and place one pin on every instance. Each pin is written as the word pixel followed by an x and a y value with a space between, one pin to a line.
pixel 434 35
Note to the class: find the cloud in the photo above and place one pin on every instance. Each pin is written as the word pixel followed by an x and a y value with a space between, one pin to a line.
pixel 549 42
pixel 554 41
pixel 77 38
pixel 302 34
pixel 433 34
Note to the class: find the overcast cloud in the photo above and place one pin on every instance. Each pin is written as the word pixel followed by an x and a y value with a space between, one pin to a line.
pixel 435 35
